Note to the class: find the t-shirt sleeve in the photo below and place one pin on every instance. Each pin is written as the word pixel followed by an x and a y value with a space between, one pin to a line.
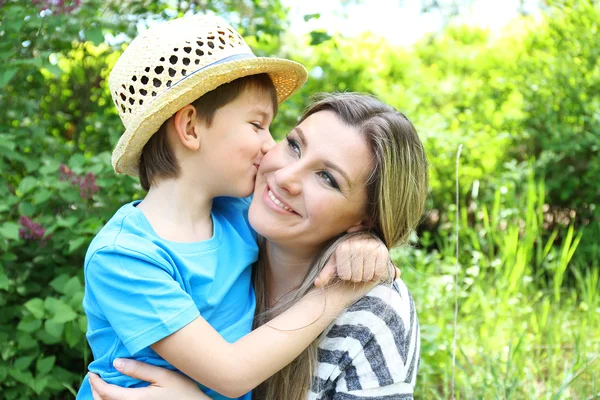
pixel 139 297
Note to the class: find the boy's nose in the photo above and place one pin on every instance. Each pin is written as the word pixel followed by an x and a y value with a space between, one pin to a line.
pixel 268 144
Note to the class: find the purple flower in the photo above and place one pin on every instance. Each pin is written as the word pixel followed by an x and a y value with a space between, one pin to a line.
pixel 87 184
pixel 32 231
pixel 65 173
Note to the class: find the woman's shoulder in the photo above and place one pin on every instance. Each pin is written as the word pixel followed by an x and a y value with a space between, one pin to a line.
pixel 387 304
pixel 378 335
pixel 386 314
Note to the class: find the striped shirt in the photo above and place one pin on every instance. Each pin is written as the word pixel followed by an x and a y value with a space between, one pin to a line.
pixel 371 351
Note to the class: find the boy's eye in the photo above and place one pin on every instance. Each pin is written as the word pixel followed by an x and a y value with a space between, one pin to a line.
pixel 329 179
pixel 257 125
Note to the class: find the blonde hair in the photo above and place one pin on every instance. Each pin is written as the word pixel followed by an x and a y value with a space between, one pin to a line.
pixel 396 190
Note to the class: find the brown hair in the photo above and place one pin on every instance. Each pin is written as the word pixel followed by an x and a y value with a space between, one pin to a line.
pixel 397 190
pixel 158 160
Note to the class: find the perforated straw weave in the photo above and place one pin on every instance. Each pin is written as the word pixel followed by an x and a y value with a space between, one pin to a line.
pixel 174 63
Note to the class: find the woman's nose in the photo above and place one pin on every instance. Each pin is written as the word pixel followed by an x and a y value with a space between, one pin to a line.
pixel 288 178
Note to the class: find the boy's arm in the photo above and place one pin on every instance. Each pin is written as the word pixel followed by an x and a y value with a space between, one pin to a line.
pixel 234 369
pixel 145 306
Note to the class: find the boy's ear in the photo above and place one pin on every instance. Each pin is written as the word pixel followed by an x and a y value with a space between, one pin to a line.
pixel 184 121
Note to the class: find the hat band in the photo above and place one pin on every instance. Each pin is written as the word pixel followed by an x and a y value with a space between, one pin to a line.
pixel 234 57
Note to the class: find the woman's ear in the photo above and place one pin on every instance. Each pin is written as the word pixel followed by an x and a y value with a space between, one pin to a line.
pixel 186 127
pixel 361 226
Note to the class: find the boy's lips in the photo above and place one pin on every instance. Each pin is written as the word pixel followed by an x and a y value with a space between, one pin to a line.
pixel 276 203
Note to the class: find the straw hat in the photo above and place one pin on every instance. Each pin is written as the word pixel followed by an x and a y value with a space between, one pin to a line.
pixel 174 63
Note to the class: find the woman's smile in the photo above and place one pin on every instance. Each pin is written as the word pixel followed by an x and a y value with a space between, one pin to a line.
pixel 276 203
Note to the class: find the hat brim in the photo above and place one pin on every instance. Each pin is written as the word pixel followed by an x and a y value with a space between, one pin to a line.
pixel 287 76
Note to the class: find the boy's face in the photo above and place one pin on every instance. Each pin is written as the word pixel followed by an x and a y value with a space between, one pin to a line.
pixel 235 143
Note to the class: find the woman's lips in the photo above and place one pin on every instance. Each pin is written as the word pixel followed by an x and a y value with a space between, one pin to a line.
pixel 274 202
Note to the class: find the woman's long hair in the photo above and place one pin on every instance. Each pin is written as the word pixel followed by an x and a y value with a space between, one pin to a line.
pixel 396 191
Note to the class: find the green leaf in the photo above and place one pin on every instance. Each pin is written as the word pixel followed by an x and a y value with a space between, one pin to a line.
pixel 94 35
pixel 36 307
pixel 82 321
pixel 59 282
pixel 50 167
pixel 26 208
pixel 51 304
pixel 39 384
pixel 77 300
pixel 41 196
pixel 26 185
pixel 20 376
pixel 318 37
pixel 63 313
pixel 308 17
pixel 9 230
pixel 26 341
pixel 76 244
pixel 67 222
pixel 7 75
pixel 22 363
pixel 54 70
pixel 53 328
pixel 44 365
pixel 7 143
pixel 29 325
pixel 72 286
pixel 70 196
pixel 4 282
pixel 73 335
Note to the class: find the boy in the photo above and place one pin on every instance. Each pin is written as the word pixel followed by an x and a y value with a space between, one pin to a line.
pixel 197 105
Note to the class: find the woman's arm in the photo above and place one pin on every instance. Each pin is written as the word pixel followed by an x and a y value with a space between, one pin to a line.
pixel 234 369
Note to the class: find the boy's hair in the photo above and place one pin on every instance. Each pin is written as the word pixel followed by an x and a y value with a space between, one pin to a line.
pixel 158 160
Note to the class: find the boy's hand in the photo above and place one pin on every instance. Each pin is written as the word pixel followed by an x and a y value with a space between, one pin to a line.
pixel 359 259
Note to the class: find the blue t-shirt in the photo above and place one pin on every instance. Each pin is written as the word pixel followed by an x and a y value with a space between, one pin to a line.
pixel 140 288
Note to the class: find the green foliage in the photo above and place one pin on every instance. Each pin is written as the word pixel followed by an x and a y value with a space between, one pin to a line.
pixel 522 333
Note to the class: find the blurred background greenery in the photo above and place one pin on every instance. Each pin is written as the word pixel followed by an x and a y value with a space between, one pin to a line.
pixel 524 102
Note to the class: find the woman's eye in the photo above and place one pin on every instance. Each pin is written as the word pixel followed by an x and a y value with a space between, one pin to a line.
pixel 330 180
pixel 293 145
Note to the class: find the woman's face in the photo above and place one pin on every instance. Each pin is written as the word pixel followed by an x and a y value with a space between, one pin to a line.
pixel 311 186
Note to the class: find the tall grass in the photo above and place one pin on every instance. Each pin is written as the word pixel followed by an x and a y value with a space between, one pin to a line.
pixel 529 315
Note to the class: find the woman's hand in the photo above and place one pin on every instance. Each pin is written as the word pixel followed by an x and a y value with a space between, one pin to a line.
pixel 164 384
pixel 360 258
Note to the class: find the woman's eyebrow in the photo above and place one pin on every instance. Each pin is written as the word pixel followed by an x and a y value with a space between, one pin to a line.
pixel 328 164
pixel 340 171
pixel 301 136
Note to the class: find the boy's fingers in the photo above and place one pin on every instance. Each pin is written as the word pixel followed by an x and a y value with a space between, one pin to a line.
pixel 358 267
pixel 327 273
pixel 397 272
pixel 369 270
pixel 140 370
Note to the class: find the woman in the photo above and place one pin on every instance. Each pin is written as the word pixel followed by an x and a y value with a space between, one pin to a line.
pixel 353 165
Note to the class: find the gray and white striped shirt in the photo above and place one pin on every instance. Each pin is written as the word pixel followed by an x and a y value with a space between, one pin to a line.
pixel 371 351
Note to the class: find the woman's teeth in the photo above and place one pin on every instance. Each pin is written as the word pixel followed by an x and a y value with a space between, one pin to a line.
pixel 280 204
